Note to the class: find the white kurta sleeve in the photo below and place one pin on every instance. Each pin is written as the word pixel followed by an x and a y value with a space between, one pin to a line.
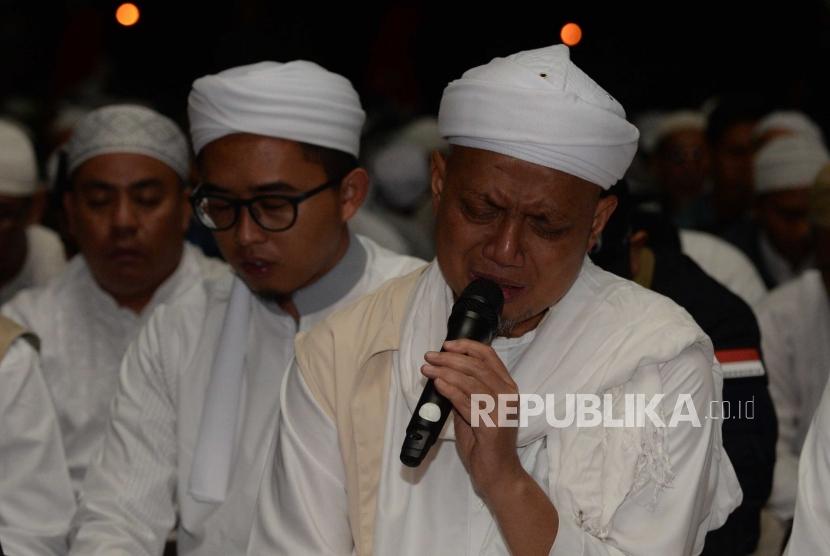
pixel 127 500
pixel 302 506
pixel 811 525
pixel 36 499
pixel 703 491
pixel 783 389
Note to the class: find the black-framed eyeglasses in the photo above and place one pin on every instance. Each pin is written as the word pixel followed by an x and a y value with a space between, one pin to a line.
pixel 272 212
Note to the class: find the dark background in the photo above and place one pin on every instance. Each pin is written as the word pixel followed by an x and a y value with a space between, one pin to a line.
pixel 400 55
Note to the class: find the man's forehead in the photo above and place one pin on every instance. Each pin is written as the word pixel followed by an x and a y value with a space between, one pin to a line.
pixel 492 173
pixel 123 170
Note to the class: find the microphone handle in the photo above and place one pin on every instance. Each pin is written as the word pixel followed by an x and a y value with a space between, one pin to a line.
pixel 433 409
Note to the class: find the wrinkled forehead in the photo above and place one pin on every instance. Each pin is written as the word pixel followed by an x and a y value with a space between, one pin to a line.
pixel 478 171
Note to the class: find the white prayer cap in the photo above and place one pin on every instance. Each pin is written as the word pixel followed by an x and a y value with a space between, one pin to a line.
pixel 400 169
pixel 790 122
pixel 298 100
pixel 424 133
pixel 539 107
pixel 671 122
pixel 18 165
pixel 788 162
pixel 128 128
pixel 401 172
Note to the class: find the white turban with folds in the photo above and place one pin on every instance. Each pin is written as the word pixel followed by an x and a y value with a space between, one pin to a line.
pixel 298 100
pixel 18 165
pixel 539 107
pixel 788 162
pixel 129 128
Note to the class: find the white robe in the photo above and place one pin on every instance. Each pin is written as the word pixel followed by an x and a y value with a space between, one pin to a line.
pixel 144 470
pixel 372 224
pixel 617 491
pixel 725 263
pixel 84 334
pixel 795 339
pixel 811 525
pixel 36 500
pixel 45 259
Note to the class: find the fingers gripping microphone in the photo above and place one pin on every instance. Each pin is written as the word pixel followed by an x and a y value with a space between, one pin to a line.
pixel 475 316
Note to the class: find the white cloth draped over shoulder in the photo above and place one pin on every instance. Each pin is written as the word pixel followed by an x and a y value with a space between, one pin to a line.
pixel 795 338
pixel 36 500
pixel 725 263
pixel 811 524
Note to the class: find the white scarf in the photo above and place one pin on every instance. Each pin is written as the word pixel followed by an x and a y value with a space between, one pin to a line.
pixel 581 346
pixel 210 473
pixel 215 450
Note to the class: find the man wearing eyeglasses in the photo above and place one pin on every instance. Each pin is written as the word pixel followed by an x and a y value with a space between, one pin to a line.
pixel 277 148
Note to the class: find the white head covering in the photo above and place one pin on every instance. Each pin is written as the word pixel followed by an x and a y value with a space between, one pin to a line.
pixel 788 162
pixel 18 165
pixel 671 122
pixel 129 128
pixel 539 107
pixel 298 100
pixel 400 171
pixel 791 121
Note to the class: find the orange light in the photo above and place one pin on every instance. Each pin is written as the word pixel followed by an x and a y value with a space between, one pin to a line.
pixel 127 14
pixel 571 34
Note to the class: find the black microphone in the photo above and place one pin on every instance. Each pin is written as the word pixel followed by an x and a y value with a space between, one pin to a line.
pixel 475 316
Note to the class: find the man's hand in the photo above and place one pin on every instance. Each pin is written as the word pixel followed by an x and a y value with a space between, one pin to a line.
pixel 489 453
pixel 525 514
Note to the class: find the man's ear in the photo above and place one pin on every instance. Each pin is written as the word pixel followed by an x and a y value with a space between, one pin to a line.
pixel 602 213
pixel 353 191
pixel 438 175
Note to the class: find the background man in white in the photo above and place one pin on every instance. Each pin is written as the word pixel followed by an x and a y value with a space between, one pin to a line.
pixel 127 209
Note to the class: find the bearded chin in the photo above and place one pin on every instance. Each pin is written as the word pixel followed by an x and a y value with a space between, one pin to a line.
pixel 506 326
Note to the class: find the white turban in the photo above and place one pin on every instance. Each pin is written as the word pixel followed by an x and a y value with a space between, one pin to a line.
pixel 18 165
pixel 789 121
pixel 128 128
pixel 671 122
pixel 539 107
pixel 298 100
pixel 788 162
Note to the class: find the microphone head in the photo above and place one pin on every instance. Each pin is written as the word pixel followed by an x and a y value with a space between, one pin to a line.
pixel 486 297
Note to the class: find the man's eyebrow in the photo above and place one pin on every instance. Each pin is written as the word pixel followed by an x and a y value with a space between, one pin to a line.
pixel 273 187
pixel 552 214
pixel 97 184
pixel 145 183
